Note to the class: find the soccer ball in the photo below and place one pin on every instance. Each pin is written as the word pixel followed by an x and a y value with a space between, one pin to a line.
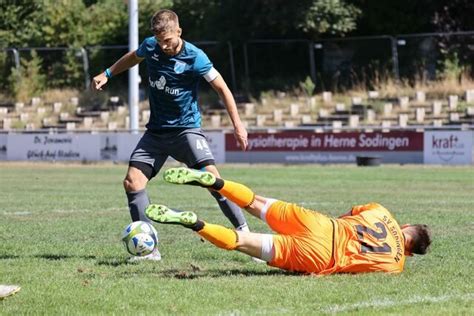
pixel 140 238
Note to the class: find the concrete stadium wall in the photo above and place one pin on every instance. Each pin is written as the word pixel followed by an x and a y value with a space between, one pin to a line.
pixel 429 147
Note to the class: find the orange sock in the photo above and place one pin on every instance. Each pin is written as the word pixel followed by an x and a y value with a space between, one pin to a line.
pixel 237 193
pixel 220 236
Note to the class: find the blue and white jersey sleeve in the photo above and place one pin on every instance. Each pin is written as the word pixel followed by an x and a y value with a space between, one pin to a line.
pixel 203 67
pixel 147 45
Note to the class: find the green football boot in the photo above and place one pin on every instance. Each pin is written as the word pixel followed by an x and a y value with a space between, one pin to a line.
pixel 189 176
pixel 165 215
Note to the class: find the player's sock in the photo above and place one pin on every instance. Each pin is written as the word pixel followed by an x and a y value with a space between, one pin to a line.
pixel 137 203
pixel 230 210
pixel 220 236
pixel 237 193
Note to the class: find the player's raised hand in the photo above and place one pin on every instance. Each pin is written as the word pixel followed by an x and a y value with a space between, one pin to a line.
pixel 240 134
pixel 99 81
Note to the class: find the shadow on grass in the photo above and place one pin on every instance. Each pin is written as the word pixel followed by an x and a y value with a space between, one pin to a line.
pixel 47 256
pixel 7 257
pixel 190 274
pixel 114 262
pixel 55 257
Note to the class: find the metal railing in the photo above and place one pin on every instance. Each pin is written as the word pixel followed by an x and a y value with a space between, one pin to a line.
pixel 261 64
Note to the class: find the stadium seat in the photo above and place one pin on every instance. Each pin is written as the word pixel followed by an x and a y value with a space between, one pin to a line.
pixel 453 102
pixel 404 102
pixel 420 96
pixel 327 97
pixel 420 115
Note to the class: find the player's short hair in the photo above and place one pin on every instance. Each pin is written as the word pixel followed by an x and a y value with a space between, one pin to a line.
pixel 164 21
pixel 421 239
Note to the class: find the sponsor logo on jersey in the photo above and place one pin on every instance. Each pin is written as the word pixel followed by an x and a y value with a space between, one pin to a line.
pixel 160 84
pixel 179 67
pixel 155 57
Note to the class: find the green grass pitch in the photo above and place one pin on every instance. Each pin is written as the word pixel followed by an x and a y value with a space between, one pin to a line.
pixel 60 229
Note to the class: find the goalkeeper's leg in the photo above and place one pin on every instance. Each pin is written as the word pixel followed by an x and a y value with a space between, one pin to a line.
pixel 252 244
pixel 282 217
pixel 236 192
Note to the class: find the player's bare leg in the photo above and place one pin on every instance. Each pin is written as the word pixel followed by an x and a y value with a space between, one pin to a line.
pixel 252 244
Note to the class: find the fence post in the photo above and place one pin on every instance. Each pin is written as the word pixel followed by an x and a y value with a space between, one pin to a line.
pixel 16 57
pixel 246 65
pixel 232 67
pixel 133 76
pixel 312 66
pixel 396 70
pixel 85 63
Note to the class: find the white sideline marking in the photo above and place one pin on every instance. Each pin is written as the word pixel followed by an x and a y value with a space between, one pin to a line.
pixel 18 213
pixel 59 211
pixel 384 303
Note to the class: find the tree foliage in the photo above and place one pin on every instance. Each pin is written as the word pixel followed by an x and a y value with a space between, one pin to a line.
pixel 27 81
pixel 17 22
pixel 332 17
pixel 70 23
pixel 53 23
pixel 93 22
pixel 238 20
pixel 78 23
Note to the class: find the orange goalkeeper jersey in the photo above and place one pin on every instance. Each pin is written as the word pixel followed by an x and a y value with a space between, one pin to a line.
pixel 368 240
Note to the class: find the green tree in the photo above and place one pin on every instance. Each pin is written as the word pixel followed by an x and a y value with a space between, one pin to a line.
pixel 27 81
pixel 238 20
pixel 333 17
pixel 17 22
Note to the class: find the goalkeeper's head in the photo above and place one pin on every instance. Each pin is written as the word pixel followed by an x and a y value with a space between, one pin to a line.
pixel 417 238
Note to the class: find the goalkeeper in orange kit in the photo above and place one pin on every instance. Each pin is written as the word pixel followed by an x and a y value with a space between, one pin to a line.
pixel 366 239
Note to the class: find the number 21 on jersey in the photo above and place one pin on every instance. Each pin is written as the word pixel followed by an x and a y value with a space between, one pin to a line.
pixel 373 247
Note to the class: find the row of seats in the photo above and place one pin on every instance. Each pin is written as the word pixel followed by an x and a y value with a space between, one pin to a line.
pixel 281 111
pixel 372 111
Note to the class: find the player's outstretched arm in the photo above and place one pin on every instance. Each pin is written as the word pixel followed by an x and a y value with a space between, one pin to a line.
pixel 240 132
pixel 127 61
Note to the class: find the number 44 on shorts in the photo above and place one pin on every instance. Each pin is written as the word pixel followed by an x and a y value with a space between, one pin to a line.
pixel 201 144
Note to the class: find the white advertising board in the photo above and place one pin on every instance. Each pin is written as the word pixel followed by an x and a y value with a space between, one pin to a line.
pixel 216 141
pixel 120 146
pixel 448 147
pixel 53 147
pixel 79 147
pixel 3 146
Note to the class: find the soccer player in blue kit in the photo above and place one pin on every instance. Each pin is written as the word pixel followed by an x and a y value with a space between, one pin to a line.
pixel 175 68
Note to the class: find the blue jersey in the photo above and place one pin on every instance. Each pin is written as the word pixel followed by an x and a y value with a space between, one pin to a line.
pixel 173 84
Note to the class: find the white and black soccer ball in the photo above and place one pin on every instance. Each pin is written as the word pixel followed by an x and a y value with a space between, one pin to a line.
pixel 140 238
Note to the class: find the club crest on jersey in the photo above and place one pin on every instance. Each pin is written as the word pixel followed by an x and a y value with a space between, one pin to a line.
pixel 179 67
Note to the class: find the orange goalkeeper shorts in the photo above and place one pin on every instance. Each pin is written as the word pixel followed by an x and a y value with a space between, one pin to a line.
pixel 304 242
